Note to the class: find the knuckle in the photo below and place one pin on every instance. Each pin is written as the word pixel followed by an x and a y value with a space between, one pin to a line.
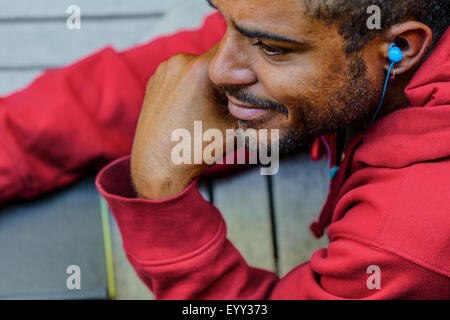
pixel 180 58
pixel 161 68
pixel 159 72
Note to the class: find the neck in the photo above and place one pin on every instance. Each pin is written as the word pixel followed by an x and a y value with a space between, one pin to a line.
pixel 394 100
pixel 394 103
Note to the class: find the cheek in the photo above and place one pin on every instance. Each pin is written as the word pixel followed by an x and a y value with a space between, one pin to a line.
pixel 302 78
pixel 284 85
pixel 303 86
pixel 296 88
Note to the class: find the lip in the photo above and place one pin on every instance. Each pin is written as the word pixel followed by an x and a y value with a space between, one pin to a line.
pixel 245 112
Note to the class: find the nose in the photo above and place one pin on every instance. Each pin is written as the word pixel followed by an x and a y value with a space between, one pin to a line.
pixel 231 65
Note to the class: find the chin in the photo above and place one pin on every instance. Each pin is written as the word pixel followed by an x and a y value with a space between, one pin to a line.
pixel 290 139
pixel 263 123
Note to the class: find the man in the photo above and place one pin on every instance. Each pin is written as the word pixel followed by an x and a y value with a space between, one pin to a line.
pixel 306 68
pixel 309 75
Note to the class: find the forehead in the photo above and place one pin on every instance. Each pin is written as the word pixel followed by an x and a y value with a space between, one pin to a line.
pixel 288 17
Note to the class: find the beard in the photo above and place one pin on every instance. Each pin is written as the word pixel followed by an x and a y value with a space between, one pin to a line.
pixel 349 104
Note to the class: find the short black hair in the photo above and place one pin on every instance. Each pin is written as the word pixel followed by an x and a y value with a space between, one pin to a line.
pixel 351 17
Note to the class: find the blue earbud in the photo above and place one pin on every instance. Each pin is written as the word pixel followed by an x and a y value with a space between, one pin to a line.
pixel 395 55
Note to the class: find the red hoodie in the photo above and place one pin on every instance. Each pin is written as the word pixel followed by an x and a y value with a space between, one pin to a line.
pixel 388 210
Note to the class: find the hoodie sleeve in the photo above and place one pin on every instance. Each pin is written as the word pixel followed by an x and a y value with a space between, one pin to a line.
pixel 179 249
pixel 82 116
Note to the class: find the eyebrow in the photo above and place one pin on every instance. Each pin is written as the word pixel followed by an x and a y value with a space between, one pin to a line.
pixel 254 34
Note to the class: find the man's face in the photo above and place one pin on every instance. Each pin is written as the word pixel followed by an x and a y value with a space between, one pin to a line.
pixel 281 69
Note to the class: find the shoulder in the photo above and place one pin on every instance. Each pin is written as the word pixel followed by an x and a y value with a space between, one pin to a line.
pixel 405 211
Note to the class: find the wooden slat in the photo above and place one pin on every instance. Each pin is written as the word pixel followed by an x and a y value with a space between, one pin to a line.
pixel 54 45
pixel 127 283
pixel 244 203
pixel 187 15
pixel 300 189
pixel 14 80
pixel 40 8
pixel 40 238
pixel 37 46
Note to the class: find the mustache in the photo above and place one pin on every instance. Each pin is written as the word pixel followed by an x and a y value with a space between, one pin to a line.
pixel 242 95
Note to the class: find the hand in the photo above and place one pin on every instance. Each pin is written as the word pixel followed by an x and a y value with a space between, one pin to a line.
pixel 178 94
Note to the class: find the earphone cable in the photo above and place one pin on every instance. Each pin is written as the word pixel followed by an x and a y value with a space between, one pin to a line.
pixel 384 92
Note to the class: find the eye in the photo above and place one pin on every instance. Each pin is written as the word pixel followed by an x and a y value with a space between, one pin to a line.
pixel 270 50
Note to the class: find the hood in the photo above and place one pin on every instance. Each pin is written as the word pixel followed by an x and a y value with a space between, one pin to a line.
pixel 420 132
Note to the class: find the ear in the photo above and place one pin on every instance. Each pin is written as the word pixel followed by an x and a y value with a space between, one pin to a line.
pixel 413 38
